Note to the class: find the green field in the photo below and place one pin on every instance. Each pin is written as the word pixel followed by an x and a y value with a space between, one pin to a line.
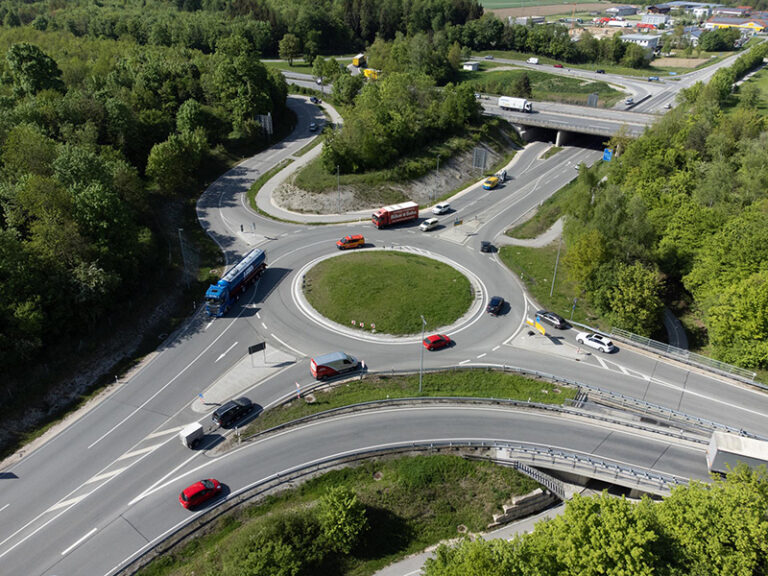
pixel 390 289
pixel 499 4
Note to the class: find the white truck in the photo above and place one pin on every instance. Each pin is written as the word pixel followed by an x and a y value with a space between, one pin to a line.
pixel 532 60
pixel 727 450
pixel 516 104
pixel 191 434
pixel 620 24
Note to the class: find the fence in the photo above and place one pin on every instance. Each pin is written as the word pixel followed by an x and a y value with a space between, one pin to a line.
pixel 687 357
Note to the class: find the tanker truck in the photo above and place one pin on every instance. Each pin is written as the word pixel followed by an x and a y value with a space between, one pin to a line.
pixel 220 296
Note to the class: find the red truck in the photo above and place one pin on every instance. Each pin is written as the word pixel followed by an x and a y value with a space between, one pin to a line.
pixel 395 214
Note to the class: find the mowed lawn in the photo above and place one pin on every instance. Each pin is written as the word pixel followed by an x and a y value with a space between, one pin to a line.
pixel 389 289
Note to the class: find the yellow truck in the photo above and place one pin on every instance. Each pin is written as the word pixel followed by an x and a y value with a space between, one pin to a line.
pixel 371 73
pixel 358 60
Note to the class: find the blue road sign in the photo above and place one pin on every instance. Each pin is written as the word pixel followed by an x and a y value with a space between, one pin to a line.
pixel 607 155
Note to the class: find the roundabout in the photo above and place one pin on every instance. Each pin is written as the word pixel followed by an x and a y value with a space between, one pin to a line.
pixel 464 315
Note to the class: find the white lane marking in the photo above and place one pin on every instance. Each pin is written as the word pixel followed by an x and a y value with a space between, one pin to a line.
pixel 496 348
pixel 263 325
pixel 258 315
pixel 139 452
pixel 601 361
pixel 73 502
pixel 65 503
pixel 76 544
pixel 148 400
pixel 208 325
pixel 105 475
pixel 623 370
pixel 464 362
pixel 4 507
pixel 164 432
pixel 224 353
pixel 483 354
pixel 291 348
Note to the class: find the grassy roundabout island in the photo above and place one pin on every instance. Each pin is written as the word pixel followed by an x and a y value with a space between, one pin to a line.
pixel 389 289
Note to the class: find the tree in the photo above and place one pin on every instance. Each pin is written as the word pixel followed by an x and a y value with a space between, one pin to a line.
pixel 636 303
pixel 27 150
pixel 32 70
pixel 173 163
pixel 738 322
pixel 289 48
pixel 749 95
pixel 635 56
pixel 343 519
pixel 346 87
pixel 522 86
pixel 584 256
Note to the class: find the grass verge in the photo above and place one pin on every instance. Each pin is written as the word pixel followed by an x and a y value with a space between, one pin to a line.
pixel 535 267
pixel 389 289
pixel 263 179
pixel 410 503
pixel 460 383
pixel 551 152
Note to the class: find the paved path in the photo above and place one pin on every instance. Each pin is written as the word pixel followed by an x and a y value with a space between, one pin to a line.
pixel 544 239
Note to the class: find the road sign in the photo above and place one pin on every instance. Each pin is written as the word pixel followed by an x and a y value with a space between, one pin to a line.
pixel 607 155
pixel 257 347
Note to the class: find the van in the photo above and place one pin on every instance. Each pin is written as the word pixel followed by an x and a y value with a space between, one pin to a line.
pixel 348 242
pixel 333 364
pixel 532 60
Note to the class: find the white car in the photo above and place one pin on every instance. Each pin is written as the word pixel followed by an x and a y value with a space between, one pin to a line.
pixel 428 224
pixel 597 341
pixel 441 208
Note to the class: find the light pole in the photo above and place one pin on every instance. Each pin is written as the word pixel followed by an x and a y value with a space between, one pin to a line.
pixel 338 187
pixel 421 364
pixel 554 274
pixel 437 173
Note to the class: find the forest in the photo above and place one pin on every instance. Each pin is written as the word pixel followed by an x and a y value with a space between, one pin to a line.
pixel 94 136
pixel 683 214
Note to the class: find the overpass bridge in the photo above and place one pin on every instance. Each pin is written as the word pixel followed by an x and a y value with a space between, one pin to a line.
pixel 567 118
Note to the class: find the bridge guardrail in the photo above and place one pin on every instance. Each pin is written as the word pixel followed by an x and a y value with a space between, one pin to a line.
pixel 573 462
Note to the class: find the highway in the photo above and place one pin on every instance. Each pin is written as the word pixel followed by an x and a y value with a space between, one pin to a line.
pixel 105 488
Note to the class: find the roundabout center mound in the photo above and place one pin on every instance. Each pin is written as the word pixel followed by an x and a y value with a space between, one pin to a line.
pixel 391 290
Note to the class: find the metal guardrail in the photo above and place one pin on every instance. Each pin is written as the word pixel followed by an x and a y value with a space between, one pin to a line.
pixel 569 461
pixel 687 357
pixel 551 483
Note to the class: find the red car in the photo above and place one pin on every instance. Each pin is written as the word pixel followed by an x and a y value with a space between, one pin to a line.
pixel 558 66
pixel 436 341
pixel 199 492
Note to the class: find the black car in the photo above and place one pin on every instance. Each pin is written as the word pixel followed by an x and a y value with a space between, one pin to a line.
pixel 552 319
pixel 486 246
pixel 314 99
pixel 495 305
pixel 232 411
pixel 599 71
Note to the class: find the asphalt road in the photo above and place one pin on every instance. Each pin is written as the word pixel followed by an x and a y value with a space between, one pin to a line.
pixel 71 507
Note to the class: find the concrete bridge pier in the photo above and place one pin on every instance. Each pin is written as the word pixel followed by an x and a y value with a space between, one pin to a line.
pixel 562 138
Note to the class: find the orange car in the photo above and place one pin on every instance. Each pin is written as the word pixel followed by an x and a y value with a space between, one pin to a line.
pixel 348 242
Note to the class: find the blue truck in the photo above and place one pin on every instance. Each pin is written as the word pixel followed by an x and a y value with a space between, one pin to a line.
pixel 220 297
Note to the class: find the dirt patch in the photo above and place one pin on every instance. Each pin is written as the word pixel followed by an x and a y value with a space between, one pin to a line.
pixel 454 173
pixel 679 62
pixel 551 9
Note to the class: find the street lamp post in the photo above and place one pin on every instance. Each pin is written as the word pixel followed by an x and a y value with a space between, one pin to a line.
pixel 421 364
pixel 338 187
pixel 437 174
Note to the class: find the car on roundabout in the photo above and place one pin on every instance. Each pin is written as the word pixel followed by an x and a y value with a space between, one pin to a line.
pixel 349 242
pixel 436 342
pixel 495 305
pixel 313 127
pixel 486 246
pixel 596 341
pixel 199 492
pixel 315 100
pixel 441 208
pixel 491 182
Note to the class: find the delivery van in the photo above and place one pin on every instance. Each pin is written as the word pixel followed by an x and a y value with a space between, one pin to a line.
pixel 348 242
pixel 333 364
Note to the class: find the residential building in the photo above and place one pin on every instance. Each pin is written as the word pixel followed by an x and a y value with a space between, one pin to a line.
pixel 471 66
pixel 655 19
pixel 649 41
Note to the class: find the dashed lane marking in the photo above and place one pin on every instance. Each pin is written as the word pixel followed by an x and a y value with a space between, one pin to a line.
pixel 106 475
pixel 483 354
pixel 66 503
pixel 80 541
pixel 464 362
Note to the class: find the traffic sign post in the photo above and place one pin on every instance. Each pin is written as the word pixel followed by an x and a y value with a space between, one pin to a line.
pixel 256 348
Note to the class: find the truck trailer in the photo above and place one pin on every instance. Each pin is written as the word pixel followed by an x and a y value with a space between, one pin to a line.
pixel 395 214
pixel 516 104
pixel 220 297
pixel 727 450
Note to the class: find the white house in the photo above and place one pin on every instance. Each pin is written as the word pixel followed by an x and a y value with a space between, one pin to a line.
pixel 621 10
pixel 655 19
pixel 645 40
pixel 471 66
